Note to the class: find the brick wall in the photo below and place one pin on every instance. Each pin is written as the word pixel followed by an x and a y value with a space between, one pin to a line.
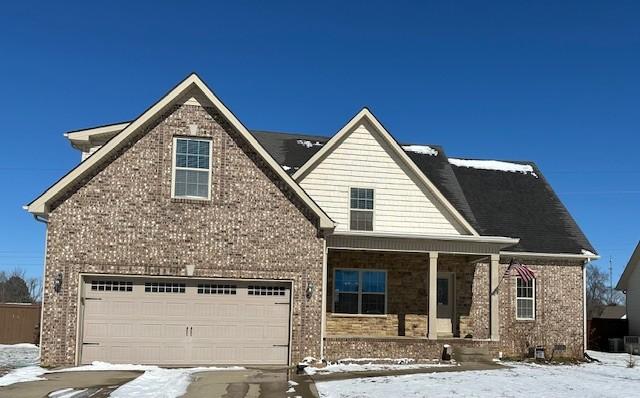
pixel 122 220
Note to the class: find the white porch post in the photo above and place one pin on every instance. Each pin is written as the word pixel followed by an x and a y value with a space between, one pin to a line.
pixel 494 312
pixel 433 300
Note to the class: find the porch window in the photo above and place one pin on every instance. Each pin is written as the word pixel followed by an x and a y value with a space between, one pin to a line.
pixel 360 292
pixel 191 168
pixel 525 299
pixel 361 216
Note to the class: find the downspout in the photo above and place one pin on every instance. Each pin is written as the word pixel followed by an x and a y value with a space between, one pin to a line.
pixel 44 273
pixel 584 305
pixel 325 253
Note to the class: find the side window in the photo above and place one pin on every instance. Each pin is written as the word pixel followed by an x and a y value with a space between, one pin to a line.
pixel 525 299
pixel 361 213
pixel 192 168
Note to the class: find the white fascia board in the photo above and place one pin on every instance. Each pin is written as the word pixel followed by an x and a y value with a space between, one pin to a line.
pixel 458 238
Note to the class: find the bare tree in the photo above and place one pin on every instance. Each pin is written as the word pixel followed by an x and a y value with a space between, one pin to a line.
pixel 17 288
pixel 599 292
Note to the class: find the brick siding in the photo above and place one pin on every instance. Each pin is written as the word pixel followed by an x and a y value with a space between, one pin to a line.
pixel 122 220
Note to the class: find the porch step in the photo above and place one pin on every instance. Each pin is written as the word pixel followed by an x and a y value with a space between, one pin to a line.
pixel 472 354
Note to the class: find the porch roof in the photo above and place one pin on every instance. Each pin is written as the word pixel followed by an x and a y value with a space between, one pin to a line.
pixel 463 244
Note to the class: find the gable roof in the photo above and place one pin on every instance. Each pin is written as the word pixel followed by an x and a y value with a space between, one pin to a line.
pixel 633 263
pixel 40 205
pixel 496 203
pixel 366 115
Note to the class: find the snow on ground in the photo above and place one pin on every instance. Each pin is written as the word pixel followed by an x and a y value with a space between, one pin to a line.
pixel 421 149
pixel 159 381
pixel 367 367
pixel 496 165
pixel 611 378
pixel 19 355
pixel 162 383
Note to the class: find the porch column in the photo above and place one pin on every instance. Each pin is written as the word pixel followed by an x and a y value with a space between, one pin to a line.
pixel 494 312
pixel 433 299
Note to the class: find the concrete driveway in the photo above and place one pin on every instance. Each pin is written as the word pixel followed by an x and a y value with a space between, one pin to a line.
pixel 98 384
pixel 249 383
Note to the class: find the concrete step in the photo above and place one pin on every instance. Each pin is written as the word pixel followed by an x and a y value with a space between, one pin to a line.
pixel 471 354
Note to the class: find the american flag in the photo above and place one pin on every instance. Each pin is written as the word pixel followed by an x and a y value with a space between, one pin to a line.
pixel 523 271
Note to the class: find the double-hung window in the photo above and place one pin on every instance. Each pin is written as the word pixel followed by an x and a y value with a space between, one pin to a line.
pixel 361 216
pixel 192 168
pixel 360 292
pixel 525 299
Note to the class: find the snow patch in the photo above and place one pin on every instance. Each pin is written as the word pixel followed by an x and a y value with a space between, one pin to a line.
pixel 421 149
pixel 611 378
pixel 588 253
pixel 308 144
pixel 286 168
pixel 19 355
pixel 366 367
pixel 496 165
pixel 20 375
pixel 66 393
pixel 162 383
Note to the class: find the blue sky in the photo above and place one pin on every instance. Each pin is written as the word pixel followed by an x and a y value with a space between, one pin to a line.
pixel 553 82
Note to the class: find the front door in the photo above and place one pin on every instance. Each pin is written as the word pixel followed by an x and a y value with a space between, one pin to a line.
pixel 445 303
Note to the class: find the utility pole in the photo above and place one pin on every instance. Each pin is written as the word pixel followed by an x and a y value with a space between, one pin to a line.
pixel 610 281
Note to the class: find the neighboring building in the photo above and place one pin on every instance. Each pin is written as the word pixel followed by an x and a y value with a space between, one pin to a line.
pixel 629 284
pixel 184 238
pixel 613 311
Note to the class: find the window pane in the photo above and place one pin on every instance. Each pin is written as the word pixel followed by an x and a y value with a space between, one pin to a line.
pixel 192 190
pixel 203 162
pixel 204 148
pixel 193 146
pixel 181 146
pixel 346 281
pixel 181 176
pixel 346 303
pixel 443 291
pixel 181 160
pixel 361 198
pixel 181 189
pixel 373 303
pixel 361 220
pixel 373 282
pixel 525 308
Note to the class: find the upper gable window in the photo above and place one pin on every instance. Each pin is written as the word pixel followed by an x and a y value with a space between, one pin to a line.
pixel 361 218
pixel 192 168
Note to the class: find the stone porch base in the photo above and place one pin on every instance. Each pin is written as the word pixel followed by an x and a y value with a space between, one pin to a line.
pixel 417 348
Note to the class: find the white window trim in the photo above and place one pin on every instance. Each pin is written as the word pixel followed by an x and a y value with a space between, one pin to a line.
pixel 360 272
pixel 373 211
pixel 173 167
pixel 532 299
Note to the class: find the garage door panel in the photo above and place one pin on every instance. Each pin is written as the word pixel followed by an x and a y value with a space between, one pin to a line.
pixel 187 322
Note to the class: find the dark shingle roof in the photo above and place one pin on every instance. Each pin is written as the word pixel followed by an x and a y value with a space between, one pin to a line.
pixel 494 202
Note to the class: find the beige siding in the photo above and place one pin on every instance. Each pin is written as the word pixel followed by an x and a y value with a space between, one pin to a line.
pixel 633 303
pixel 401 204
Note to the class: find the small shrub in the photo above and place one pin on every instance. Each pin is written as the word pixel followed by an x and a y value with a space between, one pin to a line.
pixel 631 362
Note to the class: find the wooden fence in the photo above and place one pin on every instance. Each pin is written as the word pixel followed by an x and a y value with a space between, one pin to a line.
pixel 19 323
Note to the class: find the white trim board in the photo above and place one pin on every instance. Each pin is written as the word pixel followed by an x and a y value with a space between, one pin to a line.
pixel 366 115
pixel 40 205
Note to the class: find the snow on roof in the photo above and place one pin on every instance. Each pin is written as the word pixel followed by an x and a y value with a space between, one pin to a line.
pixel 308 143
pixel 421 149
pixel 588 253
pixel 496 165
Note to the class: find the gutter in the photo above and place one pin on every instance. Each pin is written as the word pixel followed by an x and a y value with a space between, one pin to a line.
pixel 570 256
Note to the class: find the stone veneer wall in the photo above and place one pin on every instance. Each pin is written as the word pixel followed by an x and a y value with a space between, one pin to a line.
pixel 122 220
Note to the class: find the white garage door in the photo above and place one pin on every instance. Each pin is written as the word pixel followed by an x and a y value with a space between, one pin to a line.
pixel 185 322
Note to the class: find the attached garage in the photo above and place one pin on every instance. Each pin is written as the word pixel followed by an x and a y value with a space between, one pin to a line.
pixel 177 321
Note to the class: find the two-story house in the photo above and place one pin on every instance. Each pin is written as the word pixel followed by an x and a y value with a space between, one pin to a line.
pixel 182 237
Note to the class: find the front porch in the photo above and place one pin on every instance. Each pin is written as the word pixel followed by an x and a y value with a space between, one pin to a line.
pixel 396 304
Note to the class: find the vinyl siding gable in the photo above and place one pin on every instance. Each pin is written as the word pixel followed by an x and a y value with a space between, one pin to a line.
pixel 402 203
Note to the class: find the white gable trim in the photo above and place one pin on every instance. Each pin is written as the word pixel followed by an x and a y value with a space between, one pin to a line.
pixel 628 270
pixel 365 114
pixel 40 205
